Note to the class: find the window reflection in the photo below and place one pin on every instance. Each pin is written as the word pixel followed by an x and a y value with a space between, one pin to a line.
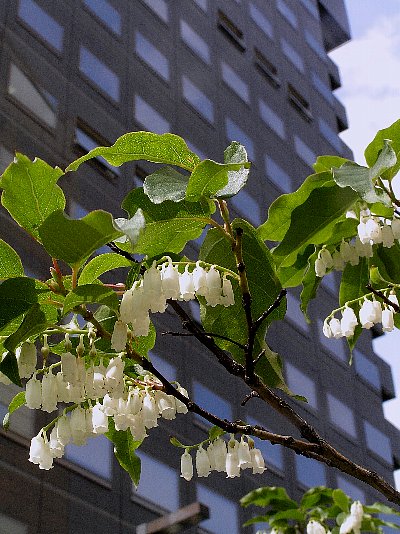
pixel 43 24
pixel 235 82
pixel 286 12
pixel 351 489
pixel 304 151
pixel 195 42
pixel 292 55
pixel 198 99
pixel 378 442
pixel 149 117
pixel 310 472
pixel 151 55
pixel 99 73
pixel 277 175
pixel 247 206
pixel 368 370
pixel 211 402
pixel 36 99
pixel 301 384
pixel 223 512
pixel 159 7
pixel 273 454
pixel 272 119
pixel 341 415
pixel 261 20
pixel 106 13
pixel 235 133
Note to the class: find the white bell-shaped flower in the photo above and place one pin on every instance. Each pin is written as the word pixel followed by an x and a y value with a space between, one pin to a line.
pixel 69 367
pixel 326 329
pixel 374 230
pixel 392 297
pixel 258 463
pixel 141 326
pixel 110 405
pixel 245 461
pixel 152 289
pixel 39 452
pixel 345 251
pixel 137 427
pixel 99 380
pixel 228 297
pixel 203 467
pixel 170 281
pixel 62 388
pixel 232 466
pixel 89 383
pixel 367 314
pixel 219 452
pixel 149 411
pixel 180 406
pixel 119 336
pixel 49 392
pixel 348 322
pixel 26 359
pixel 56 447
pixel 214 288
pixel 362 233
pixel 78 426
pixel 353 522
pixel 186 466
pixel 64 433
pixel 396 228
pixel 200 280
pixel 338 263
pixel 114 372
pixel 354 258
pixel 378 311
pixel 33 394
pixel 320 268
pixel 126 309
pixel 334 325
pixel 135 401
pixel 326 257
pixel 99 420
pixel 165 404
pixel 81 371
pixel 387 320
pixel 314 527
pixel 387 236
pixel 186 285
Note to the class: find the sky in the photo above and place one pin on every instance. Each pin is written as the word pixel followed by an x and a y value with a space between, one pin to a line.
pixel 369 65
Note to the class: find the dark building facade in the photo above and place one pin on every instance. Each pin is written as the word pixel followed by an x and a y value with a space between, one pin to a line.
pixel 78 73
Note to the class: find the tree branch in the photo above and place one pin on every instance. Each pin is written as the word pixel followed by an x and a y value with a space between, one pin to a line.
pixel 209 334
pixel 382 296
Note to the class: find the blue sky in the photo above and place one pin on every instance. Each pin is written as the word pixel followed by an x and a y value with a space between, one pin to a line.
pixel 370 70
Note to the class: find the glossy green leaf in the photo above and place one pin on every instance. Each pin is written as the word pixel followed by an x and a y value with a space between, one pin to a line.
pixel 144 344
pixel 100 265
pixel 326 163
pixel 234 153
pixel 170 225
pixel 124 450
pixel 59 235
pixel 166 148
pixel 35 321
pixel 341 499
pixel 17 296
pixel 30 192
pixel 388 262
pixel 210 178
pixel 280 211
pixel 90 294
pixel 9 367
pixel 10 262
pixel 292 275
pixel 292 513
pixel 374 148
pixel 269 496
pixel 312 221
pixel 311 284
pixel 379 508
pixel 165 184
pixel 18 401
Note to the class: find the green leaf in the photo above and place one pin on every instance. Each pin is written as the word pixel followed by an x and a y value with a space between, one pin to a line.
pixel 90 293
pixel 341 499
pixel 215 432
pixel 124 450
pixel 131 228
pixel 17 295
pixel 166 148
pixel 381 210
pixel 176 443
pixel 362 180
pixel 310 283
pixel 379 508
pixel 16 402
pixel 10 262
pixel 293 513
pixel 30 192
pixel 9 367
pixel 210 178
pixel 313 221
pixel 144 344
pixel 59 235
pixel 170 225
pixel 35 321
pixel 234 153
pixel 317 495
pixel 102 264
pixel 269 496
pixel 326 163
pixel 374 148
pixel 292 275
pixel 165 184
pixel 388 261
pixel 280 211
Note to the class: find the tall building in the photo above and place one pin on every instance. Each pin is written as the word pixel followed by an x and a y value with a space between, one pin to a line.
pixel 78 73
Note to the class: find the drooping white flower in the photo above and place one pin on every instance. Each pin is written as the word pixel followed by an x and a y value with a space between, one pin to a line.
pixel 367 314
pixel 348 322
pixel 334 325
pixel 56 447
pixel 49 392
pixel 152 290
pixel 137 427
pixel 374 230
pixel 387 320
pixel 119 336
pixel 396 228
pixel 165 404
pixel 338 263
pixel 320 268
pixel 33 394
pixel 228 297
pixel 314 527
pixel 232 466
pixel 64 433
pixel 219 453
pixel 392 297
pixel 326 329
pixel 326 257
pixel 186 466
pixel 78 426
pixel 362 233
pixel 257 460
pixel 114 373
pixel 26 359
pixel 387 236
pixel 170 281
pixel 354 258
pixel 245 460
pixel 214 288
pixel 69 367
pixel 202 462
pixel 353 522
pixel 39 452
pixel 99 419
pixel 378 311
pixel 186 285
pixel 141 326
pixel 150 411
pixel 200 280
pixel 345 251
pixel 180 406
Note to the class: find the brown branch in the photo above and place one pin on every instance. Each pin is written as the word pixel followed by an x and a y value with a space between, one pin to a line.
pixel 251 395
pixel 382 296
pixel 258 322
pixel 209 334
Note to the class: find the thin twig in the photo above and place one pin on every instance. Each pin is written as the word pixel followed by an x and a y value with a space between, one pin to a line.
pixel 121 252
pixel 383 297
pixel 209 334
pixel 251 395
pixel 258 322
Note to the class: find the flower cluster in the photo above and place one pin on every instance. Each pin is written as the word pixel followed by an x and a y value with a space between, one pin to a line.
pixel 230 458
pixel 370 313
pixel 353 521
pixel 158 285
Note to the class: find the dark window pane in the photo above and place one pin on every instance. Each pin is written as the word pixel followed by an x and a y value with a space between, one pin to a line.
pixel 99 73
pixel 368 370
pixel 211 402
pixel 310 472
pixel 223 512
pixel 106 13
pixel 43 24
pixel 95 456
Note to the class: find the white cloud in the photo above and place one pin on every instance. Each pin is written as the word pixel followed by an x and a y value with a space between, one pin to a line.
pixel 370 70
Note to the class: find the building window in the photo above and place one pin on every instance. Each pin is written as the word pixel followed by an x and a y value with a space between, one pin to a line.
pixel 277 175
pixel 378 442
pixel 329 281
pixel 322 87
pixel 235 82
pixel 42 23
pixel 235 133
pixel 99 73
pixel 315 45
pixel 152 56
pixel 301 384
pixel 149 117
pixel 95 456
pixel 366 369
pixel 231 31
pixel 341 415
pixel 6 157
pixel 292 55
pixel 211 402
pixel 159 7
pixel 202 4
pixel 271 119
pixel 287 13
pixel 195 42
pixel 304 151
pixel 330 135
pixel 294 312
pixel 166 369
pixel 164 493
pixel 272 453
pixel 85 141
pixel 106 13
pixel 311 7
pixel 197 99
pixel 350 489
pixel 223 512
pixel 310 472
pixel 261 20
pixel 266 68
pixel 299 103
pixel 34 98
pixel 334 346
pixel 247 206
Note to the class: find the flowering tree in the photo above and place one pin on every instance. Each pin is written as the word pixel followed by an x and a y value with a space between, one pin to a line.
pixel 100 377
